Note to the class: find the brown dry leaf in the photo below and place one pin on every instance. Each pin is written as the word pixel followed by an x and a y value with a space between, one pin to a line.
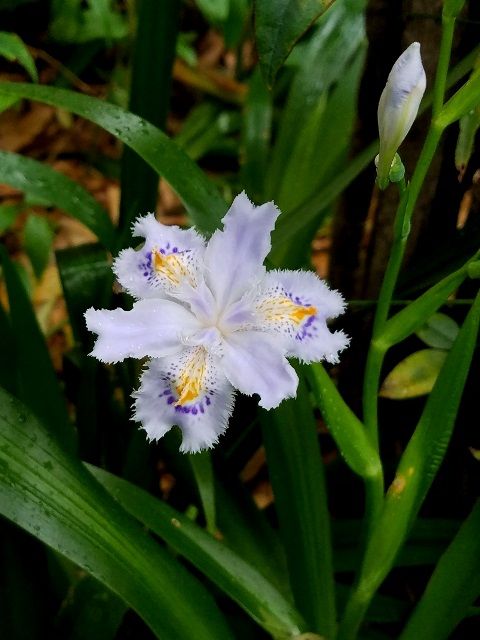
pixel 321 255
pixel 263 495
pixel 20 127
pixel 254 465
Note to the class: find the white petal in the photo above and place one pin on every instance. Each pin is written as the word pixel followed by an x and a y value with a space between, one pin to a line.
pixel 294 305
pixel 188 390
pixel 170 258
pixel 152 328
pixel 254 362
pixel 398 106
pixel 234 257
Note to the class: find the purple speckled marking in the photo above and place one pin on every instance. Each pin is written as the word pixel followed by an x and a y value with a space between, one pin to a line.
pixel 171 397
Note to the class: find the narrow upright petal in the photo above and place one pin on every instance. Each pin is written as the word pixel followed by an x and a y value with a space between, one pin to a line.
pixel 398 106
pixel 255 362
pixel 188 390
pixel 294 306
pixel 234 257
pixel 170 258
pixel 153 328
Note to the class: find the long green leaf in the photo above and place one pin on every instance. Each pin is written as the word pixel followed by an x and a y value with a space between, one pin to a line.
pixel 8 369
pixel 37 382
pixel 13 48
pixel 86 277
pixel 297 475
pixel 39 181
pixel 90 611
pixel 246 530
pixel 412 317
pixel 346 429
pixel 52 496
pixel 278 25
pixel 256 133
pixel 453 587
pixel 299 163
pixel 198 194
pixel 153 57
pixel 202 468
pixel 230 572
pixel 416 471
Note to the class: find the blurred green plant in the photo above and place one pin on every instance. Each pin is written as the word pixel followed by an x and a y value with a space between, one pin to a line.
pixel 210 564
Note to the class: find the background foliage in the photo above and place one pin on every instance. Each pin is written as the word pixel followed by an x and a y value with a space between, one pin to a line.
pixel 110 109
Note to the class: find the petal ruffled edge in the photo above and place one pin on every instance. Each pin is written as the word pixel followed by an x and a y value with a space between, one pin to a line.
pixel 152 328
pixel 294 306
pixel 169 258
pixel 174 391
pixel 234 256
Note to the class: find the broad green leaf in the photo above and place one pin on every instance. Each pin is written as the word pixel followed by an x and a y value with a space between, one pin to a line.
pixel 6 102
pixel 346 429
pixel 205 129
pixel 297 475
pixel 184 48
pixel 235 25
pixel 242 582
pixel 439 331
pixel 214 10
pixel 453 587
pixel 416 471
pixel 13 48
pixel 37 242
pixel 8 214
pixel 39 182
pixel 278 26
pixel 53 496
pixel 78 22
pixel 204 477
pixel 37 382
pixel 414 376
pixel 198 194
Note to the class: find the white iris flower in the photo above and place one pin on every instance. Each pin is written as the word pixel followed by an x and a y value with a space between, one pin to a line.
pixel 398 107
pixel 212 320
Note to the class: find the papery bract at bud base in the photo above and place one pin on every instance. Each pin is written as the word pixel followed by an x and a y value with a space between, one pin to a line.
pixel 398 107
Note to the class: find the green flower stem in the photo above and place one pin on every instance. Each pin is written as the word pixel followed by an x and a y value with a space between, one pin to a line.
pixel 448 29
pixel 361 597
pixel 402 225
pixel 409 196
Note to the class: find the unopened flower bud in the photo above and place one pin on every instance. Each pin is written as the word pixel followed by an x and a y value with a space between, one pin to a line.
pixel 398 107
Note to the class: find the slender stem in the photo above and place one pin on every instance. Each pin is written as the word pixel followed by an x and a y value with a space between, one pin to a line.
pixel 448 28
pixel 361 597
